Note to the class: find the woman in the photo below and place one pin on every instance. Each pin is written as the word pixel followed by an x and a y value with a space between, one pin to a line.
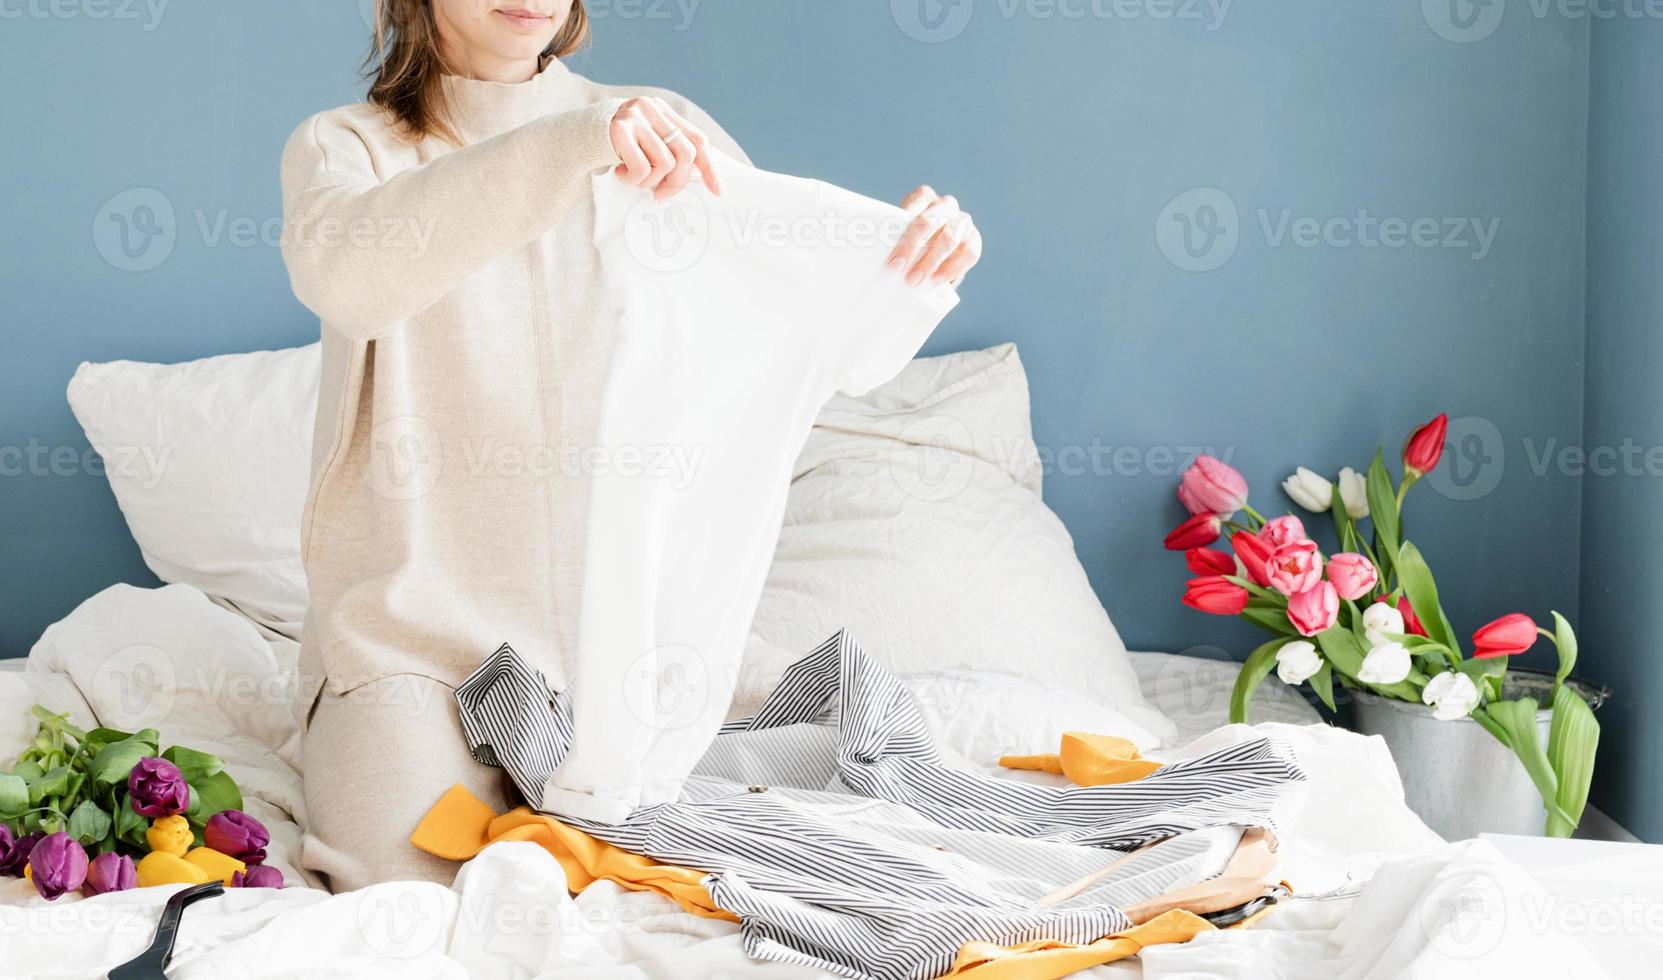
pixel 442 232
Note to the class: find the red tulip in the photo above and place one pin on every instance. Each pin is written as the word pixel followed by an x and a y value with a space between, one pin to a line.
pixel 1425 446
pixel 1205 561
pixel 1255 556
pixel 1411 622
pixel 1315 609
pixel 1215 594
pixel 1512 634
pixel 1197 532
pixel 1211 486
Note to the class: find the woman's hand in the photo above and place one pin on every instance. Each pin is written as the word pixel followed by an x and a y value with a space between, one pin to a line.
pixel 941 244
pixel 659 149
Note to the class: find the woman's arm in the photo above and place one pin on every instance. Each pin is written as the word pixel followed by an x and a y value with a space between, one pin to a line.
pixel 365 255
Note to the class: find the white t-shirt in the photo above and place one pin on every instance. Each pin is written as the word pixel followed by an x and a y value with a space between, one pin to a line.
pixel 736 318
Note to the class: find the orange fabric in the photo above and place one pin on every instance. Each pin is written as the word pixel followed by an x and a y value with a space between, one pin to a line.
pixel 459 826
pixel 1044 960
pixel 1088 760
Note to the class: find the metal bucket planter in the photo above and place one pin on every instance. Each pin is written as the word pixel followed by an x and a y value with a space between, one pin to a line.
pixel 1456 776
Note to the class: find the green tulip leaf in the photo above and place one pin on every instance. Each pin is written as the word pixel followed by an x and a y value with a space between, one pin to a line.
pixel 1573 741
pixel 14 796
pixel 1565 639
pixel 1518 720
pixel 1268 617
pixel 1257 667
pixel 130 826
pixel 212 795
pixel 116 760
pixel 1322 682
pixel 1382 511
pixel 1422 590
pixel 194 765
pixel 54 783
pixel 89 824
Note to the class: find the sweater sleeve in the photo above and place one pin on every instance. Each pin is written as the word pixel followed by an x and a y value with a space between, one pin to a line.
pixel 365 254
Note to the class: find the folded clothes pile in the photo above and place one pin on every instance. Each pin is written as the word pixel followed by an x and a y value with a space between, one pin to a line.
pixel 829 826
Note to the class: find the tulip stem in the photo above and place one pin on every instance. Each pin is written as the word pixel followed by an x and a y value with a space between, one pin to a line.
pixel 1253 513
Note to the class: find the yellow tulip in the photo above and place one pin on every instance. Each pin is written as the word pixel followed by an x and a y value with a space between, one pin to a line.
pixel 170 835
pixel 162 868
pixel 215 865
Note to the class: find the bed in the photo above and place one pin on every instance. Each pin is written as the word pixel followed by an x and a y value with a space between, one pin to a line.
pixel 915 522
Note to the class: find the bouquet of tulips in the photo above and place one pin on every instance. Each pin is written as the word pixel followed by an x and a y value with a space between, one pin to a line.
pixel 1368 617
pixel 80 806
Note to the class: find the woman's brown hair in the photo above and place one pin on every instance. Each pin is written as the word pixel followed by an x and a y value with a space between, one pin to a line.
pixel 406 65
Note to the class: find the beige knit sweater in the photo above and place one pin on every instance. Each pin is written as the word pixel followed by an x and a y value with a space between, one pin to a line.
pixel 451 282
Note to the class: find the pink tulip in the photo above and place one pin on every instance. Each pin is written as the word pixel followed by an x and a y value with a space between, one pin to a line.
pixel 1215 595
pixel 1512 634
pixel 1295 567
pixel 1211 486
pixel 1314 610
pixel 1425 446
pixel 1254 555
pixel 1279 531
pixel 1197 532
pixel 1353 575
pixel 1205 561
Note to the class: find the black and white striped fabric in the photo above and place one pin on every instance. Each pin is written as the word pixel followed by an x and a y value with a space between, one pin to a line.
pixel 831 828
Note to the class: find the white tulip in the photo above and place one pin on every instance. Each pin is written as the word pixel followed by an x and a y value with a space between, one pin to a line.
pixel 1309 490
pixel 1452 695
pixel 1387 663
pixel 1297 662
pixel 1354 491
pixel 1380 619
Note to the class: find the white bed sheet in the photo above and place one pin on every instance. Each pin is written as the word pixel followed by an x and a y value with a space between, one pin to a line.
pixel 170 659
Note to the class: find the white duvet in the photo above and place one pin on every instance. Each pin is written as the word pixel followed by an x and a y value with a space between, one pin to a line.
pixel 1385 897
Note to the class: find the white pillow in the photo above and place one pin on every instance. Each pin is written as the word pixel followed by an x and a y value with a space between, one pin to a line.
pixel 210 463
pixel 915 521
pixel 980 715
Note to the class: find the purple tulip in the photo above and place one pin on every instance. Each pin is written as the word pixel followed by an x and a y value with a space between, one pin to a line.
pixel 57 865
pixel 14 854
pixel 111 872
pixel 236 833
pixel 259 876
pixel 158 789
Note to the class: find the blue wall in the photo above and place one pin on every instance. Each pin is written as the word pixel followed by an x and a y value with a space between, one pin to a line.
pixel 1622 567
pixel 1068 137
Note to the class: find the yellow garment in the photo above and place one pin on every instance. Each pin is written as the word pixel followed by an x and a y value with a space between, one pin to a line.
pixel 459 826
pixel 1088 760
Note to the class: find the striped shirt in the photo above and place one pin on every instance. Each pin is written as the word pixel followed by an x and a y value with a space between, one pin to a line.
pixel 832 829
